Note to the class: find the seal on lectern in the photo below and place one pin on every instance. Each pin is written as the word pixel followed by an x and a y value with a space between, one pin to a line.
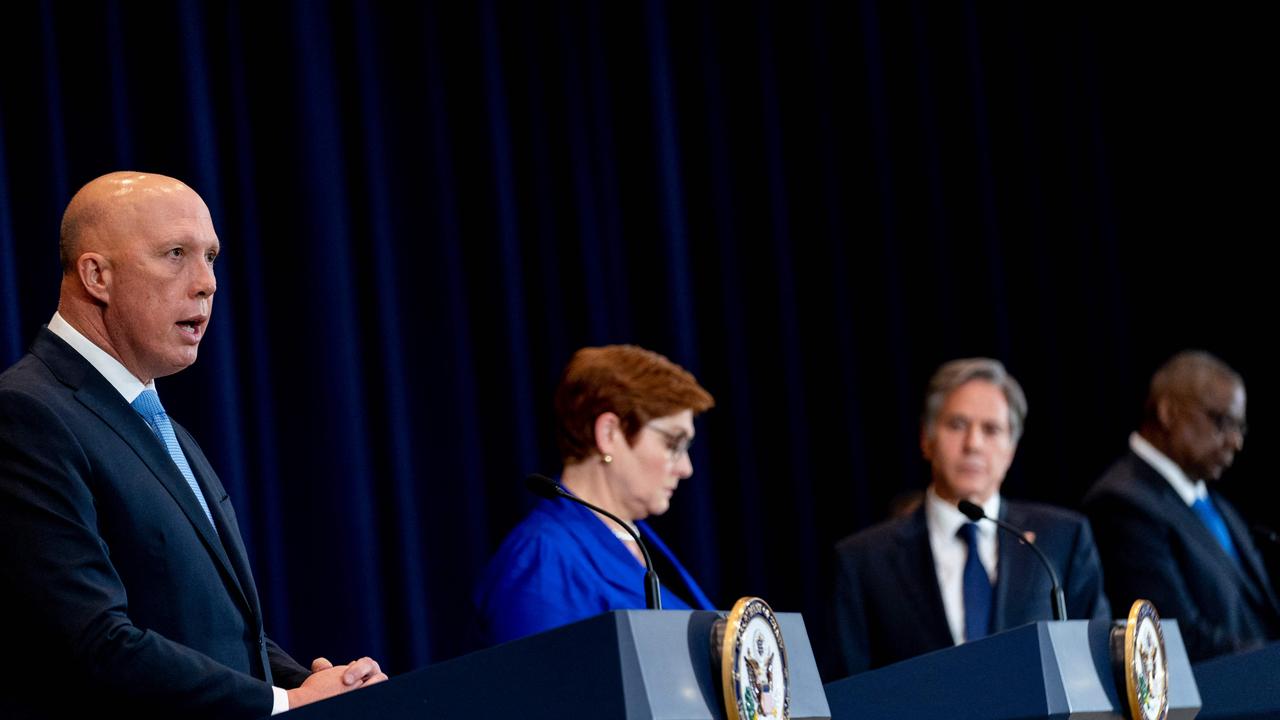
pixel 753 663
pixel 1138 650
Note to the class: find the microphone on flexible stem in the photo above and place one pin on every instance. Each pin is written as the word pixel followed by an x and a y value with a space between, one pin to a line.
pixel 975 513
pixel 543 486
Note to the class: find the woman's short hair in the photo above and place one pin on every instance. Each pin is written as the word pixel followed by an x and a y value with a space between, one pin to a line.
pixel 635 384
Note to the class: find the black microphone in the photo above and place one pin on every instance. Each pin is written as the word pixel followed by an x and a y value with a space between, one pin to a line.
pixel 975 513
pixel 543 486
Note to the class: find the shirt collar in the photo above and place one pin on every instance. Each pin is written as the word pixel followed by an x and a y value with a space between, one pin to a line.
pixel 1186 488
pixel 945 519
pixel 125 382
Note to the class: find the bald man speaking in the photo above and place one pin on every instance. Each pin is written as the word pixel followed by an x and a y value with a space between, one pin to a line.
pixel 124 583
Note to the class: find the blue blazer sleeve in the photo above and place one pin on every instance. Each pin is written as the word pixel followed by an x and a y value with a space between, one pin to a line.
pixel 536 582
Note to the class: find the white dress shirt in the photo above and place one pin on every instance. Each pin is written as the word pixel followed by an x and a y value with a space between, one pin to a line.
pixel 950 552
pixel 125 382
pixel 129 386
pixel 1189 490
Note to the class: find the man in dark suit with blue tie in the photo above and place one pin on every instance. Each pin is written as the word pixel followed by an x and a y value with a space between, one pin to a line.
pixel 934 579
pixel 1164 534
pixel 124 583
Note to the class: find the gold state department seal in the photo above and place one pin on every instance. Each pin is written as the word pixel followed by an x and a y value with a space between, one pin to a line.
pixel 753 664
pixel 1141 662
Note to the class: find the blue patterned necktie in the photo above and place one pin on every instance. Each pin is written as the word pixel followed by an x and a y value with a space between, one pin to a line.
pixel 148 406
pixel 1212 519
pixel 977 588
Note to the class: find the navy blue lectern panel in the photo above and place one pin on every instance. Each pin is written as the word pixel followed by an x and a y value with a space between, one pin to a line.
pixel 1043 670
pixel 1241 686
pixel 630 664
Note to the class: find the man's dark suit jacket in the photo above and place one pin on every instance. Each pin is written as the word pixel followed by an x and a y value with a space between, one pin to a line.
pixel 117 594
pixel 888 606
pixel 1155 547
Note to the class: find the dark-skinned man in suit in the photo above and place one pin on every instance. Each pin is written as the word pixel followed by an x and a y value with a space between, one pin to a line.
pixel 1165 535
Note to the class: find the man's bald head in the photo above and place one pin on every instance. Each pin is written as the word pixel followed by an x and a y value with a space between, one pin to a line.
pixel 1195 413
pixel 1188 375
pixel 138 252
pixel 104 204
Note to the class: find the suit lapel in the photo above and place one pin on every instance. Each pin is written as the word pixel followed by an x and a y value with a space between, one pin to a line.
pixel 918 578
pixel 229 546
pixel 131 428
pixel 1199 539
pixel 1252 572
pixel 1196 535
pixel 1014 570
pixel 99 397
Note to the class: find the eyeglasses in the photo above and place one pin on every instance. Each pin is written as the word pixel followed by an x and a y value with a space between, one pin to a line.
pixel 1224 423
pixel 677 443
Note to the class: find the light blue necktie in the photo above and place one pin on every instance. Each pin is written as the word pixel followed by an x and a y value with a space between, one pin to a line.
pixel 977 588
pixel 148 406
pixel 1212 519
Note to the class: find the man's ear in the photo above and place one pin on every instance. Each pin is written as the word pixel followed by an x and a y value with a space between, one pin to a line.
pixel 1164 412
pixel 95 275
pixel 926 447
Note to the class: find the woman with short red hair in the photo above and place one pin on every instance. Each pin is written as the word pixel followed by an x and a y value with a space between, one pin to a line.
pixel 624 423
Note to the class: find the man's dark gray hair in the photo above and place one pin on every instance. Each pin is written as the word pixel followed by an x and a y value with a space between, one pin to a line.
pixel 958 372
pixel 1186 375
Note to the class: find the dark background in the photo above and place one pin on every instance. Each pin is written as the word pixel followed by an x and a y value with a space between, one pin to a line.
pixel 425 210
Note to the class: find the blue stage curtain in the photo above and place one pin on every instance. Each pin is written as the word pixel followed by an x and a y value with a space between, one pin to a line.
pixel 425 208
